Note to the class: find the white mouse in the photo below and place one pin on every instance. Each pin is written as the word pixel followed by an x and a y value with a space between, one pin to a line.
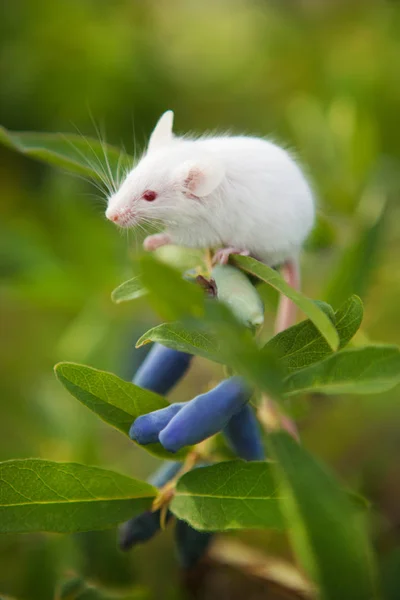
pixel 243 194
pixel 240 194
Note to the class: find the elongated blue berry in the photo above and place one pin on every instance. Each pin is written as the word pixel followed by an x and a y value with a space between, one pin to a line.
pixel 143 527
pixel 205 415
pixel 161 369
pixel 140 529
pixel 244 435
pixel 191 545
pixel 146 428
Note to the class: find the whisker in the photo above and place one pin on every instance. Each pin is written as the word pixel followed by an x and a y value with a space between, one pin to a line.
pixel 102 137
pixel 100 173
pixel 123 166
pixel 95 184
pixel 99 182
pixel 118 175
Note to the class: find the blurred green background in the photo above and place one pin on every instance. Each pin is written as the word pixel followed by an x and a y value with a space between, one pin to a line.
pixel 321 77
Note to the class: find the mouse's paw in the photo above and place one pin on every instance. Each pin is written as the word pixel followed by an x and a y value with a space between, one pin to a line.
pixel 222 255
pixel 152 242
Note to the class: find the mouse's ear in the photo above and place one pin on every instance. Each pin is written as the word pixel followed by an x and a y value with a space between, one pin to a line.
pixel 201 177
pixel 162 132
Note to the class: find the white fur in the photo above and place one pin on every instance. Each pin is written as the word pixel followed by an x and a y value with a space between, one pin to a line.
pixel 241 192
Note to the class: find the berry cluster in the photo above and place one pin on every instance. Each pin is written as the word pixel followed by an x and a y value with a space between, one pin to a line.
pixel 224 408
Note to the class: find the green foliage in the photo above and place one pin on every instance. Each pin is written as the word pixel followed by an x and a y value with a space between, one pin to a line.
pixel 302 345
pixel 115 401
pixel 239 350
pixel 310 308
pixel 169 294
pixel 296 347
pixel 40 495
pixel 180 337
pixel 75 153
pixel 229 495
pixel 238 495
pixel 129 290
pixel 328 537
pixel 174 297
pixel 366 370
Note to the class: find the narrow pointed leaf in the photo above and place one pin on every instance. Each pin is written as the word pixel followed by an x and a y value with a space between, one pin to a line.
pixel 348 319
pixel 184 339
pixel 310 308
pixel 129 290
pixel 41 495
pixel 169 293
pixel 114 400
pixel 302 345
pixel 229 495
pixel 238 349
pixel 366 370
pixel 327 532
pixel 72 152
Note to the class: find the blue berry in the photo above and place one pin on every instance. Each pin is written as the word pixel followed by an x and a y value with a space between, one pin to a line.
pixel 205 415
pixel 161 369
pixel 143 527
pixel 244 435
pixel 146 428
pixel 140 529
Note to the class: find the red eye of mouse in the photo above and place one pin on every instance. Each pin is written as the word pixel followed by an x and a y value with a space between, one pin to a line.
pixel 149 195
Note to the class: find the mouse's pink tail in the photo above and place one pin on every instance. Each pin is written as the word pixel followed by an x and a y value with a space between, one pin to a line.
pixel 287 310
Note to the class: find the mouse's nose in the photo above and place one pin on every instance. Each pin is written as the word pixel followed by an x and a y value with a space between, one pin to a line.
pixel 113 215
pixel 121 216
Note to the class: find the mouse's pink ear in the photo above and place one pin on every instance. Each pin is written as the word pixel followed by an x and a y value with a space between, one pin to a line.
pixel 162 133
pixel 201 177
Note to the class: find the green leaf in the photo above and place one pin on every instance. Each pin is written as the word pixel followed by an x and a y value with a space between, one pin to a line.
pixel 367 370
pixel 327 532
pixel 75 153
pixel 184 339
pixel 41 495
pixel 177 298
pixel 302 345
pixel 348 319
pixel 230 344
pixel 310 308
pixel 229 495
pixel 169 293
pixel 238 349
pixel 129 290
pixel 114 400
pixel 355 267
